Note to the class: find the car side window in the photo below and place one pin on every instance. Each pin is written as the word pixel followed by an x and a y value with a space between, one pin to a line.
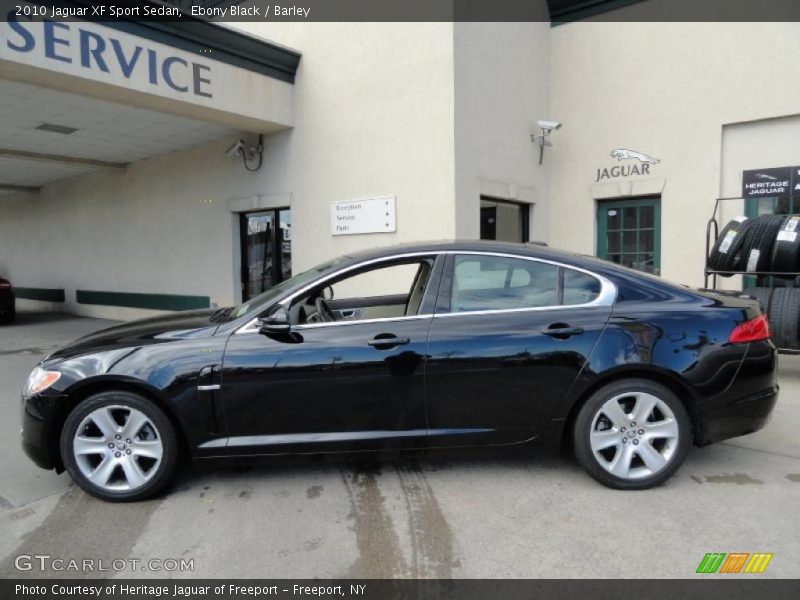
pixel 579 288
pixel 390 290
pixel 501 283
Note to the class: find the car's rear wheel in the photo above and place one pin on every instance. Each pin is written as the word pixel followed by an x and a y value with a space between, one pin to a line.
pixel 632 434
pixel 119 446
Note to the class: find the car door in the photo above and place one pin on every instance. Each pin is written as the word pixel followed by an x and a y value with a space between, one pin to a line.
pixel 349 384
pixel 509 337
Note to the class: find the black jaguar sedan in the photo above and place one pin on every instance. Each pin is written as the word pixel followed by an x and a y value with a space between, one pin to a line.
pixel 425 346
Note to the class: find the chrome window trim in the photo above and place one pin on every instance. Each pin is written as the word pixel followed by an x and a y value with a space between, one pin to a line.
pixel 606 297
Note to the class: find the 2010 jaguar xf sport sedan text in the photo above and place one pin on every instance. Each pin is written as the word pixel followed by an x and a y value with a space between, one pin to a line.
pixel 413 347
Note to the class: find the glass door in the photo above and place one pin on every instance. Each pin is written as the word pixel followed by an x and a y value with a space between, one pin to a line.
pixel 266 250
pixel 629 233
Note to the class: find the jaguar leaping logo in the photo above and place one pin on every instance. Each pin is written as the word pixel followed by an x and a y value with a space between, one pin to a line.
pixel 764 176
pixel 625 154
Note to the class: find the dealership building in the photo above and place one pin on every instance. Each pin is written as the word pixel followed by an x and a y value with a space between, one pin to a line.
pixel 152 166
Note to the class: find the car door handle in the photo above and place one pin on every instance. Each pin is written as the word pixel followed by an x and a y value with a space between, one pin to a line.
pixel 562 331
pixel 387 341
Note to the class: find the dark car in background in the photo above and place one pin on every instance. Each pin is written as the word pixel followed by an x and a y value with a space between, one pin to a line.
pixel 7 306
pixel 423 346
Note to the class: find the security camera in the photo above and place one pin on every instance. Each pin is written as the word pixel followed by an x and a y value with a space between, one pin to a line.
pixel 549 125
pixel 237 149
pixel 542 139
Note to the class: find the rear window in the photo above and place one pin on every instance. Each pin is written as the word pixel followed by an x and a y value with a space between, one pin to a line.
pixel 500 283
pixel 488 282
pixel 580 288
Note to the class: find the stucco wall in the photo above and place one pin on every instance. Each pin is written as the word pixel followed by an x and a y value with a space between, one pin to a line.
pixel 501 91
pixel 374 116
pixel 668 90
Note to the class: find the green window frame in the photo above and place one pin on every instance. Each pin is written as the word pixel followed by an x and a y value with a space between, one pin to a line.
pixel 630 230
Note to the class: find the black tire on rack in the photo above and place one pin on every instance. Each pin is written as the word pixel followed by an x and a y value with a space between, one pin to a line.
pixel 786 250
pixel 784 317
pixel 724 256
pixel 756 252
pixel 763 295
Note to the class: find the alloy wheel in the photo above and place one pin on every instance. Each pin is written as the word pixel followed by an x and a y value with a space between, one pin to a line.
pixel 117 448
pixel 634 435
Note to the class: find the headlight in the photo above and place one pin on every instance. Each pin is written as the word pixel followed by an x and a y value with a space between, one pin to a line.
pixel 39 380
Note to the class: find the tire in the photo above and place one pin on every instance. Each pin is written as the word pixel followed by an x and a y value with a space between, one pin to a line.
pixel 756 251
pixel 9 317
pixel 726 252
pixel 786 250
pixel 672 438
pixel 763 295
pixel 784 317
pixel 143 459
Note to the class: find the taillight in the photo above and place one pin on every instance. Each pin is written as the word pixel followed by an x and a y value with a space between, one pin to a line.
pixel 4 284
pixel 753 330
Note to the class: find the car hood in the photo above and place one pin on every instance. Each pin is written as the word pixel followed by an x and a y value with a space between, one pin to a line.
pixel 175 326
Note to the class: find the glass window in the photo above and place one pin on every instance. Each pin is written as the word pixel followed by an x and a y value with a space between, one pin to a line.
pixel 628 233
pixel 383 291
pixel 499 283
pixel 266 241
pixel 580 288
pixel 262 301
pixel 503 220
pixel 383 281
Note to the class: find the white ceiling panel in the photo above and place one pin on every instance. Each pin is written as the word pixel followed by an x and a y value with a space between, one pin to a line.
pixel 106 131
pixel 14 171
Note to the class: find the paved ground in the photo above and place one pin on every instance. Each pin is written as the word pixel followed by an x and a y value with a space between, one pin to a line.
pixel 535 516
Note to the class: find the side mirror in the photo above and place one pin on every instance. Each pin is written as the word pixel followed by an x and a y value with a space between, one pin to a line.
pixel 327 293
pixel 277 322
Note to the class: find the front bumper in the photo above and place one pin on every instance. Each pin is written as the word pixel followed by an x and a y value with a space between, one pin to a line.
pixel 41 416
pixel 746 405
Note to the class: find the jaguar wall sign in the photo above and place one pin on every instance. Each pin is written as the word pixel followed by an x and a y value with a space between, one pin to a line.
pixel 639 165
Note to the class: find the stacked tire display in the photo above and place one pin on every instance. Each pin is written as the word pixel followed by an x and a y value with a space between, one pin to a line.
pixel 768 244
pixel 782 307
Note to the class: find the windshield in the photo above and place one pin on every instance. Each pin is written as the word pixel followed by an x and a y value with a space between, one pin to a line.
pixel 264 299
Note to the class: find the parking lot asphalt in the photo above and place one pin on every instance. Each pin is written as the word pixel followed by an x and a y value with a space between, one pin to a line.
pixel 532 516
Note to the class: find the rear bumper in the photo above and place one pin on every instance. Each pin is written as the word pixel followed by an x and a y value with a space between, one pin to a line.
pixel 746 405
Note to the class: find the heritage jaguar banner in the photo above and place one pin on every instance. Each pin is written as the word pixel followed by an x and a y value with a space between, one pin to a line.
pixel 780 181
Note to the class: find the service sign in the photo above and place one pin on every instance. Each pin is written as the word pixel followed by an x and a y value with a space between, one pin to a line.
pixel 781 181
pixel 34 38
pixel 370 215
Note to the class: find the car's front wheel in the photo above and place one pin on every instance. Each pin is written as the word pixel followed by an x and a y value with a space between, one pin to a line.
pixel 632 434
pixel 119 446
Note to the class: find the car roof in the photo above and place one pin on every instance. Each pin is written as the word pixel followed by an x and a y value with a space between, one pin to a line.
pixel 532 249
